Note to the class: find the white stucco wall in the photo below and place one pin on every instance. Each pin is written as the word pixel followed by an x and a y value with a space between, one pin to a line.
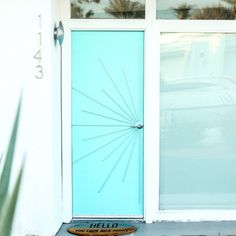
pixel 39 210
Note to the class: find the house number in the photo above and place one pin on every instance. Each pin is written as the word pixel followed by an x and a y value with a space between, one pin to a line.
pixel 38 54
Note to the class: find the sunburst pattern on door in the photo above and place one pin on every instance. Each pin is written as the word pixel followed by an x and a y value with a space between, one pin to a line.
pixel 125 118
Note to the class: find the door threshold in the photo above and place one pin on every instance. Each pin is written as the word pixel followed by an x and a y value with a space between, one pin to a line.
pixel 108 218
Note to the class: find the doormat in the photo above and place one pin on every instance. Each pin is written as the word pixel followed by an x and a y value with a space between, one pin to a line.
pixel 101 228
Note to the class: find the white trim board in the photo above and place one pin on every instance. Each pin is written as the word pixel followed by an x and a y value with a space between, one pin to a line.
pixel 152 28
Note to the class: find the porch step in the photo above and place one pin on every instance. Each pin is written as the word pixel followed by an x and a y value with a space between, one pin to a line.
pixel 221 228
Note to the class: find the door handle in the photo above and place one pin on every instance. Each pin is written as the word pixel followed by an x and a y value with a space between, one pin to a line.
pixel 137 125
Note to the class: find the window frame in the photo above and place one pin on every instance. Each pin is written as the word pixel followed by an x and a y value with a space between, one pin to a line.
pixel 152 28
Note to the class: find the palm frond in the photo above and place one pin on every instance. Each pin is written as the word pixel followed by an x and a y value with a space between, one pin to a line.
pixel 7 215
pixel 6 172
pixel 8 203
pixel 232 2
pixel 125 9
pixel 182 10
pixel 217 12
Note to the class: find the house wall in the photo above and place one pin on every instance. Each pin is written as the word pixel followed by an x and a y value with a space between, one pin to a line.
pixel 39 210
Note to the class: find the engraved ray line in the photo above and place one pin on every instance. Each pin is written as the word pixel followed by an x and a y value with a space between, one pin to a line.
pixel 106 134
pixel 130 157
pixel 107 117
pixel 130 94
pixel 114 167
pixel 85 125
pixel 117 147
pixel 117 89
pixel 101 104
pixel 101 147
pixel 110 97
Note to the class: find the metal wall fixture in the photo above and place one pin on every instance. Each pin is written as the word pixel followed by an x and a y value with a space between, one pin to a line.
pixel 59 33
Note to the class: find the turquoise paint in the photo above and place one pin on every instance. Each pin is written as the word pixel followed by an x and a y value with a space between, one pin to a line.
pixel 107 99
pixel 198 120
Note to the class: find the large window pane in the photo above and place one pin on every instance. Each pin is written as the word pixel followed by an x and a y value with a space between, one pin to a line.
pixel 198 121
pixel 103 9
pixel 196 9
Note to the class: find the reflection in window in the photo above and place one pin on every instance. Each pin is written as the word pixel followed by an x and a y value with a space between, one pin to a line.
pixel 198 121
pixel 196 10
pixel 128 9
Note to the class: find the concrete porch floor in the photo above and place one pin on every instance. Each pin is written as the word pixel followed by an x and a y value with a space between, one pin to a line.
pixel 222 228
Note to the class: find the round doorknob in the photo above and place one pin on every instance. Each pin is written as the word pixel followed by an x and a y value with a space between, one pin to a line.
pixel 138 125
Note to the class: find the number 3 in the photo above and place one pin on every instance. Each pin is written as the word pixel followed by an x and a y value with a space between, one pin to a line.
pixel 40 72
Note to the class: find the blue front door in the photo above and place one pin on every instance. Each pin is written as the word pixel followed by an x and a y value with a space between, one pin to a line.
pixel 107 123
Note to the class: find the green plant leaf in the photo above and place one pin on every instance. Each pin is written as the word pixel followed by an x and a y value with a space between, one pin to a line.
pixel 6 172
pixel 9 209
pixel 1 159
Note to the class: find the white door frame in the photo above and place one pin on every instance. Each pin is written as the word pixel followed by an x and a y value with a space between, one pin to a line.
pixel 152 28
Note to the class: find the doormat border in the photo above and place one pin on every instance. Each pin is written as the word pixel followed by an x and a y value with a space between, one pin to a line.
pixel 101 229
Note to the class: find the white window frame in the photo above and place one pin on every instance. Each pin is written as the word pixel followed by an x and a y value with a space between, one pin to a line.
pixel 152 28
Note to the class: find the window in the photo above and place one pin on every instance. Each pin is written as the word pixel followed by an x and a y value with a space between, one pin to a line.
pixel 187 115
pixel 196 10
pixel 198 105
pixel 122 9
